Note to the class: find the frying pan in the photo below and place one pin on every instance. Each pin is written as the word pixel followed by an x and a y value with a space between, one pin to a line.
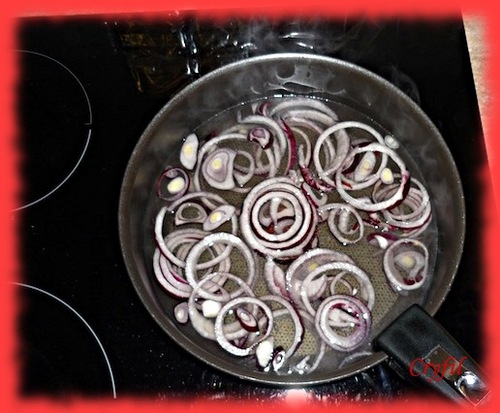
pixel 406 332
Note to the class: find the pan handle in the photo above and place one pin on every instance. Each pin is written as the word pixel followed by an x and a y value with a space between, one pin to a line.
pixel 421 346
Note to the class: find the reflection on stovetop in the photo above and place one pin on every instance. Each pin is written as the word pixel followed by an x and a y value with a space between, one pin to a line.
pixel 83 328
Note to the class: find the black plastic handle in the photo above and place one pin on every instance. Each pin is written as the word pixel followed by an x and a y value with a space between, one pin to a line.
pixel 422 347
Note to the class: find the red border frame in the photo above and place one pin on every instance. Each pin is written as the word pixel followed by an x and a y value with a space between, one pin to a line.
pixel 10 268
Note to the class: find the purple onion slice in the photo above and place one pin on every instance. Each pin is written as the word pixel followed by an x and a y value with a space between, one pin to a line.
pixel 363 203
pixel 222 338
pixel 340 223
pixel 262 136
pixel 218 217
pixel 189 151
pixel 172 183
pixel 246 319
pixel 295 239
pixel 205 326
pixel 337 270
pixel 406 264
pixel 343 338
pixel 301 267
pixel 225 239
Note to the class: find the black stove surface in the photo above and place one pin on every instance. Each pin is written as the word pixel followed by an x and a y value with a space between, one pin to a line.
pixel 88 89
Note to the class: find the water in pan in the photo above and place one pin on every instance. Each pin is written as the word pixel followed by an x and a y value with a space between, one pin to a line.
pixel 388 303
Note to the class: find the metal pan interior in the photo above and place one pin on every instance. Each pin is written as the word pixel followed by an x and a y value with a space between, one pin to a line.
pixel 355 94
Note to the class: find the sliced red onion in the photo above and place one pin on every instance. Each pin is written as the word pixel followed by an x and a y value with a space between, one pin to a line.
pixel 307 124
pixel 341 338
pixel 367 205
pixel 189 151
pixel 293 241
pixel 218 217
pixel 262 136
pixel 162 245
pixel 262 109
pixel 292 145
pixel 168 280
pixel 275 210
pixel 300 268
pixel 340 318
pixel 305 365
pixel 210 308
pixel 417 201
pixel 208 242
pixel 311 115
pixel 197 195
pixel 315 288
pixel 205 326
pixel 217 172
pixel 273 126
pixel 288 310
pixel 172 183
pixel 186 236
pixel 272 200
pixel 363 176
pixel 275 278
pixel 381 239
pixel 310 179
pixel 242 174
pixel 217 169
pixel 315 199
pixel 211 200
pixel 172 278
pixel 246 319
pixel 342 148
pixel 366 292
pixel 268 169
pixel 342 228
pixel 191 235
pixel 365 167
pixel 222 338
pixel 306 146
pixel 406 265
pixel 386 176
